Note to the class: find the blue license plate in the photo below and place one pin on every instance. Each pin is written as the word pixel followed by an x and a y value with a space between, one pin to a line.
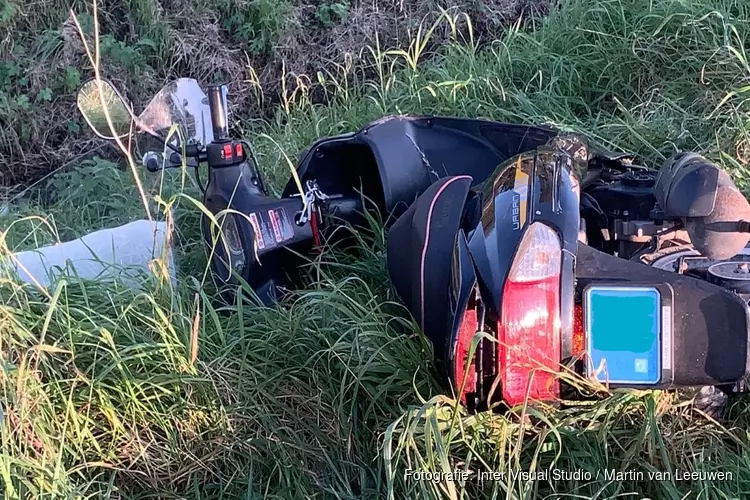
pixel 623 332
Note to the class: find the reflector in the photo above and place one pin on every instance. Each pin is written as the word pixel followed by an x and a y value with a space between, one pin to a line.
pixel 466 331
pixel 579 336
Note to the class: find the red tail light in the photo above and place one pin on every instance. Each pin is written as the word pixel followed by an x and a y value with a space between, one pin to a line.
pixel 529 327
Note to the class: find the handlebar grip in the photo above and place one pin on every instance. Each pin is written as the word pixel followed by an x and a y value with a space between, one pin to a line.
pixel 152 161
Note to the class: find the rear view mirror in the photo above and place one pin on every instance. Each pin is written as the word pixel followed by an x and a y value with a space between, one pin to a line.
pixel 96 96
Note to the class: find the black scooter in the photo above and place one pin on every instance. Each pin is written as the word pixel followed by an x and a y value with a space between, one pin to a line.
pixel 567 257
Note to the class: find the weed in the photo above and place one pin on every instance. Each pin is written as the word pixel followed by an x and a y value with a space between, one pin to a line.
pixel 330 14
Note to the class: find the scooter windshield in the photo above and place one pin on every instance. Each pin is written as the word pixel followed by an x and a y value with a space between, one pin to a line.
pixel 183 103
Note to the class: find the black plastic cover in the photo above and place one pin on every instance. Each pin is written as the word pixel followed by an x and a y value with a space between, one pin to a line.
pixel 264 227
pixel 396 158
pixel 420 248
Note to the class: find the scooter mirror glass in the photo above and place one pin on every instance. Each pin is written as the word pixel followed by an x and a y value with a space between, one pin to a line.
pixel 184 104
pixel 97 99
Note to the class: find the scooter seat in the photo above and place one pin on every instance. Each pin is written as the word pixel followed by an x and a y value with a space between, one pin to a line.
pixel 420 246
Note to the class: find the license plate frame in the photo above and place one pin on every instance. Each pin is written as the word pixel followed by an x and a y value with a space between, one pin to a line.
pixel 617 355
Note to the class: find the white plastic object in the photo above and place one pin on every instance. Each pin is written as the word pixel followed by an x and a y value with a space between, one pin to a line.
pixel 120 253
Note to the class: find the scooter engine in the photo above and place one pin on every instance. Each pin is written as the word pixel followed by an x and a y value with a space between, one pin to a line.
pixel 732 274
pixel 624 218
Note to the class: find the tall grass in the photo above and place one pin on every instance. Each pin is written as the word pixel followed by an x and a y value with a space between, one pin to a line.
pixel 652 77
pixel 114 393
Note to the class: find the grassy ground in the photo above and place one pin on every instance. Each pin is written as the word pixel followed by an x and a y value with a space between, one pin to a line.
pixel 107 393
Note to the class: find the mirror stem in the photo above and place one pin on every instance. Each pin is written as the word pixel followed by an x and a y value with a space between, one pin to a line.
pixel 217 101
